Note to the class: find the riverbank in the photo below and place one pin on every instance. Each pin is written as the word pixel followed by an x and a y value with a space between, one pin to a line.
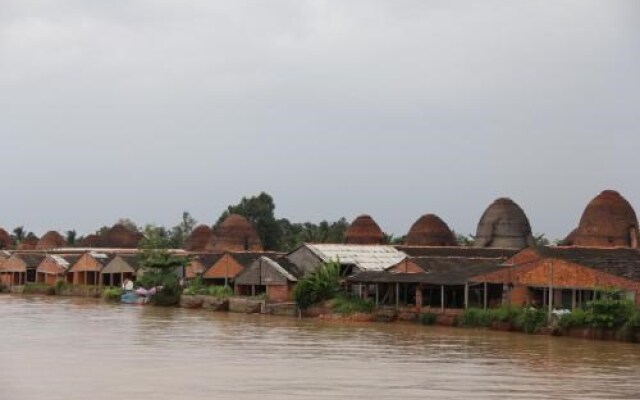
pixel 389 315
pixel 324 313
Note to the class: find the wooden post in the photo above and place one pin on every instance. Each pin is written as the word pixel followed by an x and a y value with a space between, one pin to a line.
pixel 550 288
pixel 377 294
pixel 442 298
pixel 486 295
pixel 406 293
pixel 466 295
pixel 573 299
pixel 226 272
pixel 397 295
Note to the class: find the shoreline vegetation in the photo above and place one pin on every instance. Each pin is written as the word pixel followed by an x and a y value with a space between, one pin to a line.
pixel 603 320
pixel 321 294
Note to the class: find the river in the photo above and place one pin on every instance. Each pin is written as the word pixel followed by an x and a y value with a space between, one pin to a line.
pixel 68 348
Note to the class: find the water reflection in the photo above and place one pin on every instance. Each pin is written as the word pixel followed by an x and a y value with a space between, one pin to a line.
pixel 77 348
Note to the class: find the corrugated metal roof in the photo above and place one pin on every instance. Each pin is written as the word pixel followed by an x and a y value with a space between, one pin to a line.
pixel 60 261
pixel 280 269
pixel 365 257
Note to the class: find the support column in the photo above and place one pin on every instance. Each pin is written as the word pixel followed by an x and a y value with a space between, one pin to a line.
pixel 550 301
pixel 418 298
pixel 466 295
pixel 377 294
pixel 442 298
pixel 573 299
pixel 486 295
pixel 397 295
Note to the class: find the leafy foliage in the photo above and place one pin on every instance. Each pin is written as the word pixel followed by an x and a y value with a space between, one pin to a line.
pixel 541 240
pixel 394 240
pixel 609 310
pixel 196 286
pixel 320 285
pixel 259 210
pixel 160 268
pixel 468 240
pixel 577 318
pixel 71 237
pixel 428 319
pixel 35 288
pixel 282 234
pixel 344 304
pixel 19 234
pixel 219 291
pixel 112 294
pixel 296 234
pixel 530 320
pixel 476 317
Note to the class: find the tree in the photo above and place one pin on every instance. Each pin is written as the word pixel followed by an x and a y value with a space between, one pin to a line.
pixel 389 238
pixel 320 285
pixel 259 210
pixel 160 267
pixel 129 224
pixel 295 234
pixel 541 240
pixel 19 234
pixel 71 237
pixel 463 240
pixel 181 232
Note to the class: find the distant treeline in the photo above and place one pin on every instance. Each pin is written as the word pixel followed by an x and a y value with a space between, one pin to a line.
pixel 275 233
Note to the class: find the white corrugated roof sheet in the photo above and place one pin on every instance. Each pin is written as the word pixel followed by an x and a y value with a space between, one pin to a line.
pixel 279 268
pixel 365 257
pixel 60 261
pixel 97 256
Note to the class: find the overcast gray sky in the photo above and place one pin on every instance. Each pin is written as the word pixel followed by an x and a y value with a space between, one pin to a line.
pixel 146 108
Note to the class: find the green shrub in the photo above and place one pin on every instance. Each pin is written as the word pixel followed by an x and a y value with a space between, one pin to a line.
pixel 428 319
pixel 61 286
pixel 4 288
pixel 112 294
pixel 35 288
pixel 634 319
pixel 530 320
pixel 190 291
pixel 476 317
pixel 195 286
pixel 577 319
pixel 219 291
pixel 609 310
pixel 322 284
pixel 168 296
pixel 505 313
pixel 346 305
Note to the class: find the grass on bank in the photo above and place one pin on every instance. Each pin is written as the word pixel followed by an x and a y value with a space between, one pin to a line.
pixel 529 320
pixel 112 294
pixel 344 304
pixel 197 287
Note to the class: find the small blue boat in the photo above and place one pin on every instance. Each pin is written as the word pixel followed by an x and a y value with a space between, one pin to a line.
pixel 132 298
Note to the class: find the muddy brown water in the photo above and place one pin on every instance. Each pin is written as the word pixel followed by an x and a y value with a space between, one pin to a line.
pixel 63 348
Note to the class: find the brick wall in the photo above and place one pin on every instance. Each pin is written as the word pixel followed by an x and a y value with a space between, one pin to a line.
pixel 279 293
